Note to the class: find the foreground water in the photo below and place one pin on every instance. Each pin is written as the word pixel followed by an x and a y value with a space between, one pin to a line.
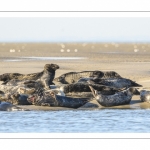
pixel 80 121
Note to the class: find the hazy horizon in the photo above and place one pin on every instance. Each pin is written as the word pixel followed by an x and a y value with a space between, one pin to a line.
pixel 74 30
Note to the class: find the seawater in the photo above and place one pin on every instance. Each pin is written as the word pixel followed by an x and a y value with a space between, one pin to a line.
pixel 76 121
pixel 17 59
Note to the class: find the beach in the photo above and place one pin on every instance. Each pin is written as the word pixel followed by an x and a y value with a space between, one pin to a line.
pixel 130 60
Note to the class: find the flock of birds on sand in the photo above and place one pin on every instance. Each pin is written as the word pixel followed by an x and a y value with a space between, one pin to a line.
pixel 71 90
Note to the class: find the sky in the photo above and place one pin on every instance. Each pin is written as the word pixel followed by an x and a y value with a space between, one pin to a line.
pixel 75 29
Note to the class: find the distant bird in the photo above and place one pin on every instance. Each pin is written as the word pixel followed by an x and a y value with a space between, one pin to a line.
pixel 119 98
pixel 145 96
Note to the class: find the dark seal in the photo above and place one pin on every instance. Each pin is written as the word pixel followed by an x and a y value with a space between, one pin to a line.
pixel 73 77
pixel 16 99
pixel 6 106
pixel 84 87
pixel 45 77
pixel 113 82
pixel 53 100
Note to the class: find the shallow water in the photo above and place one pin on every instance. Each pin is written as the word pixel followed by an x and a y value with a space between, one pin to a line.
pixel 77 121
pixel 41 58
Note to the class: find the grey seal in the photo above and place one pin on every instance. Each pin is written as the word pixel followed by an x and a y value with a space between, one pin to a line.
pixel 45 77
pixel 145 96
pixel 17 99
pixel 84 87
pixel 6 106
pixel 53 100
pixel 113 82
pixel 73 77
pixel 119 98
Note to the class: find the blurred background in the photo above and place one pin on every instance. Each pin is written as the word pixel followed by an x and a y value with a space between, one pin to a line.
pixel 76 43
pixel 35 36
pixel 75 29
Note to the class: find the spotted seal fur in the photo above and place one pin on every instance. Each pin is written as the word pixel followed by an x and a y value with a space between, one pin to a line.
pixel 73 77
pixel 17 99
pixel 113 82
pixel 84 87
pixel 80 94
pixel 45 77
pixel 53 100
pixel 17 89
pixel 119 98
pixel 145 96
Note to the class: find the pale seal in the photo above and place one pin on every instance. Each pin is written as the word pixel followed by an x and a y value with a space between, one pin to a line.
pixel 119 98
pixel 145 96
pixel 6 106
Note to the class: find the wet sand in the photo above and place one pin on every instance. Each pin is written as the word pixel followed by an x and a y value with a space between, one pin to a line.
pixel 131 61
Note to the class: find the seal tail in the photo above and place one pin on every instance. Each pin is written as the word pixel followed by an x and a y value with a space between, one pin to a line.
pixel 94 92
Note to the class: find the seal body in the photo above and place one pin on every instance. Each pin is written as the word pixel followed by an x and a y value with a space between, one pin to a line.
pixel 73 77
pixel 116 82
pixel 84 87
pixel 145 96
pixel 80 94
pixel 53 100
pixel 17 99
pixel 20 99
pixel 6 106
pixel 119 98
pixel 16 89
pixel 45 77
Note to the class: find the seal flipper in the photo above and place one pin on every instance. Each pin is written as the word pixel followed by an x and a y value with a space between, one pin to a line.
pixel 94 92
pixel 135 84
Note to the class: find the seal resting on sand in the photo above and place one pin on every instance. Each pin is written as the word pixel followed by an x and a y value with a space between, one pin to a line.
pixel 119 98
pixel 45 77
pixel 113 82
pixel 145 96
pixel 73 77
pixel 16 98
pixel 14 89
pixel 6 106
pixel 84 87
pixel 51 99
